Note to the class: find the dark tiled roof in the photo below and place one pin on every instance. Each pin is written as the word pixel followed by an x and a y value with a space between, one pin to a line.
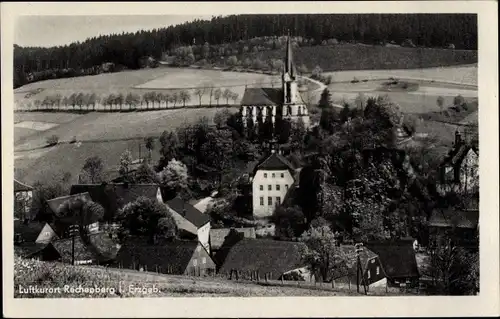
pixel 55 203
pixel 454 218
pixel 20 187
pixel 265 256
pixel 82 251
pixel 27 249
pixel 456 155
pixel 175 254
pixel 218 236
pixel 397 258
pixel 188 211
pixel 113 197
pixel 275 161
pixel 262 96
pixel 29 231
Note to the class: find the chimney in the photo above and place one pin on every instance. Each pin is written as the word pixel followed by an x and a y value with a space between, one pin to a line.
pixel 458 138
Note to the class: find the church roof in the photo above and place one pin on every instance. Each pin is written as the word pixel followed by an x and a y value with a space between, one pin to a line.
pixel 262 96
pixel 289 65
pixel 275 162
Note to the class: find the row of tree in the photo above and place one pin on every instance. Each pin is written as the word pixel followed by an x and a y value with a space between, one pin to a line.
pixel 210 38
pixel 151 99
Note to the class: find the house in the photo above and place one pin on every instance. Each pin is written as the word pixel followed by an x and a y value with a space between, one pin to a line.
pixel 43 252
pixel 219 236
pixel 266 257
pixel 173 257
pixel 459 171
pixel 27 232
pixel 260 104
pixel 23 198
pixel 113 197
pixel 191 222
pixel 61 224
pixel 371 269
pixel 398 261
pixel 47 234
pixel 272 178
pixel 458 224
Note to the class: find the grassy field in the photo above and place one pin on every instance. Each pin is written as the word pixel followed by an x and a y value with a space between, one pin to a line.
pixel 369 57
pixel 107 135
pixel 57 275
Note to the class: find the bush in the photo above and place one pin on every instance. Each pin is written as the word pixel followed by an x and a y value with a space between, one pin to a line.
pixel 354 80
pixel 52 140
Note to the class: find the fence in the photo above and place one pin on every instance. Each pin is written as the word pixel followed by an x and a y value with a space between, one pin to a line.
pixel 168 270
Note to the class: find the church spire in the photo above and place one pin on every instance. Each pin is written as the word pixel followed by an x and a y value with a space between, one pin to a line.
pixel 289 66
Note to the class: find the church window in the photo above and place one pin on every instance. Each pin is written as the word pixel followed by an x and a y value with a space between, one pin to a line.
pixel 261 201
pixel 277 187
pixel 269 201
pixel 261 187
pixel 269 187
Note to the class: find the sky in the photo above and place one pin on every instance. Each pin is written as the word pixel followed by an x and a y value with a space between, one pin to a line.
pixel 49 31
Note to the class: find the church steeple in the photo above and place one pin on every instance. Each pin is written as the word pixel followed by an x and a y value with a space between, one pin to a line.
pixel 289 65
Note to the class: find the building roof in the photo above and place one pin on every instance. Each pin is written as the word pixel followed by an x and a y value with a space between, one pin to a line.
pixel 21 187
pixel 29 231
pixel 262 96
pixel 350 251
pixel 188 211
pixel 55 203
pixel 264 255
pixel 289 66
pixel 175 254
pixel 218 235
pixel 82 251
pixel 450 217
pixel 275 161
pixel 457 154
pixel 113 197
pixel 397 258
pixel 27 249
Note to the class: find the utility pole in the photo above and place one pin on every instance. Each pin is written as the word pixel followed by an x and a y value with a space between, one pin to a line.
pixel 359 248
pixel 73 231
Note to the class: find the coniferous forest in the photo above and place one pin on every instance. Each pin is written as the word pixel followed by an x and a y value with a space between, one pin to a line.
pixel 208 37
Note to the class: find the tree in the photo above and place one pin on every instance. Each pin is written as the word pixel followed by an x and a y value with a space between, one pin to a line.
pixel 145 174
pixel 73 101
pixel 52 140
pixel 93 169
pixel 92 100
pixel 132 100
pixel 458 100
pixel 174 177
pixel 217 95
pixel 345 114
pixel 79 100
pixel 125 162
pixel 174 98
pixel 325 100
pixel 322 253
pixel 221 118
pixel 232 61
pixel 147 217
pixel 290 222
pixel 150 145
pixel 169 148
pixel 328 119
pixel 440 103
pixel 227 95
pixel 360 101
pixel 216 150
pixel 234 97
pixel 316 72
pixel 78 211
pixel 200 91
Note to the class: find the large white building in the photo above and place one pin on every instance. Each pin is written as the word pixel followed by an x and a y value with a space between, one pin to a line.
pixel 261 103
pixel 271 180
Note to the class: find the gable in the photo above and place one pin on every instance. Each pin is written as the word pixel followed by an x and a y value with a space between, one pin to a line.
pixel 46 235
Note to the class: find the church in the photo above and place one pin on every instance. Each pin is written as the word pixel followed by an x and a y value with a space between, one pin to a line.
pixel 264 103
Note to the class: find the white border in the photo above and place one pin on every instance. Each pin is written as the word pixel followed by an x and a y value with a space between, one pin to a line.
pixel 487 303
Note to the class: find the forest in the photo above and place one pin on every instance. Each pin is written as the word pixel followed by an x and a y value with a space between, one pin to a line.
pixel 209 39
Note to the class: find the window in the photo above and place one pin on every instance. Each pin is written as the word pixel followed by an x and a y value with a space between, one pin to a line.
pixel 378 270
pixel 278 200
pixel 368 273
pixel 286 186
pixel 282 175
pixel 195 262
pixel 204 260
pixel 269 201
pixel 261 201
pixel 277 187
pixel 261 187
pixel 273 176
pixel 265 175
pixel 269 187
